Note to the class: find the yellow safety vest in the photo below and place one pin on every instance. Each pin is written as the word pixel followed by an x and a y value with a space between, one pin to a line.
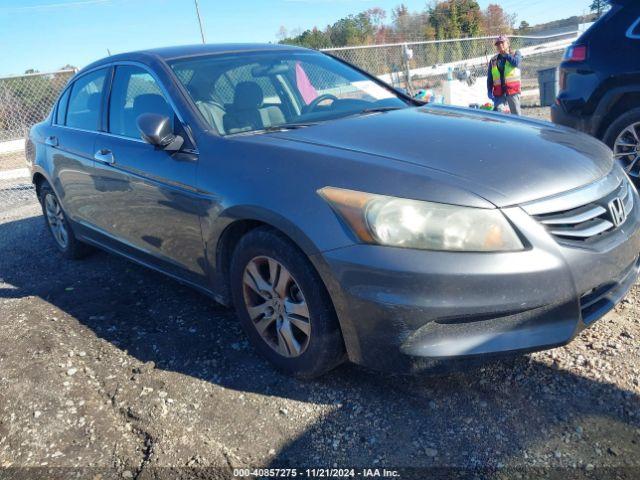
pixel 512 78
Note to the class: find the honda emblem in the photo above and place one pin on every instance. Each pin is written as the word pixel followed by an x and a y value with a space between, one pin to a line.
pixel 618 213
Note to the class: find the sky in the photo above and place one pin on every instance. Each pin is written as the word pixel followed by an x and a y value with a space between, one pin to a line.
pixel 48 34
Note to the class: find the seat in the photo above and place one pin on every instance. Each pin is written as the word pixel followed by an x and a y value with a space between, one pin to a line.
pixel 272 115
pixel 247 111
pixel 244 113
pixel 212 111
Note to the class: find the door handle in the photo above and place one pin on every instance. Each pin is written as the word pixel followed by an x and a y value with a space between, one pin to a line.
pixel 105 156
pixel 51 141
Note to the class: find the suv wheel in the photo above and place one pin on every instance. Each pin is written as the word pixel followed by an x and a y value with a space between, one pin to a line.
pixel 58 225
pixel 623 136
pixel 283 305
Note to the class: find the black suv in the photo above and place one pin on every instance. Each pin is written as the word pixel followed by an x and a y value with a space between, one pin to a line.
pixel 600 83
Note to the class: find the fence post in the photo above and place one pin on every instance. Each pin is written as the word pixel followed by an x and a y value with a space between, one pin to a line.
pixel 407 55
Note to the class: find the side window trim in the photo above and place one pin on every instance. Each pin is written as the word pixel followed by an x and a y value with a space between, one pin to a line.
pixel 59 104
pixel 104 102
pixel 634 25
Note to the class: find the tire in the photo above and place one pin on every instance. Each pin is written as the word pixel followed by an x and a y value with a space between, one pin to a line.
pixel 261 252
pixel 615 130
pixel 68 245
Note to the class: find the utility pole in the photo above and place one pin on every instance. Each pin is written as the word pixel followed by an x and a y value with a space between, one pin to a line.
pixel 204 40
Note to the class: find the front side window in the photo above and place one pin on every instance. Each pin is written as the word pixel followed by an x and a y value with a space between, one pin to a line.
pixel 250 92
pixel 134 91
pixel 84 103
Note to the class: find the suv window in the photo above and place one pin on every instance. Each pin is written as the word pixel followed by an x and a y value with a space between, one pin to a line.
pixel 61 111
pixel 134 92
pixel 84 103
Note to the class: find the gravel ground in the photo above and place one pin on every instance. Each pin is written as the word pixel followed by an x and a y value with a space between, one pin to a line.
pixel 112 368
pixel 9 161
pixel 535 111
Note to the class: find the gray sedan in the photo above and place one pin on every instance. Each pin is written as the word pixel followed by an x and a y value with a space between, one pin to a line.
pixel 340 218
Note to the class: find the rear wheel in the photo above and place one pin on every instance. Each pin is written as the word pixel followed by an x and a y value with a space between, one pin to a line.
pixel 623 136
pixel 283 305
pixel 59 226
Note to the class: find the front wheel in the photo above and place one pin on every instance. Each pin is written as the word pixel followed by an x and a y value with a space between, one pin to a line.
pixel 283 305
pixel 623 137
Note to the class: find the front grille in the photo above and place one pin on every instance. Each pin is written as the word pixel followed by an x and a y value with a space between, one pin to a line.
pixel 590 222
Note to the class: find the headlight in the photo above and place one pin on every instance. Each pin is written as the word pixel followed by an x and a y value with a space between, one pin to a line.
pixel 400 222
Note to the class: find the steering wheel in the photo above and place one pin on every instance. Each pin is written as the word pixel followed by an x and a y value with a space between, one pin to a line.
pixel 318 100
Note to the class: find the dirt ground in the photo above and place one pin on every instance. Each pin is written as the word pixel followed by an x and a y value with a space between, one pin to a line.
pixel 9 161
pixel 110 370
pixel 535 111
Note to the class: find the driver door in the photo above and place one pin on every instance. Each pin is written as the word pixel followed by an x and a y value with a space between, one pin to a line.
pixel 147 203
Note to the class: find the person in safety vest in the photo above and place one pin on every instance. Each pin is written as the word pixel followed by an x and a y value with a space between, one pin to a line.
pixel 503 78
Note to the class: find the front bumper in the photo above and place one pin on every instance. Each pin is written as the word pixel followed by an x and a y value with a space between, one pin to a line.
pixel 410 310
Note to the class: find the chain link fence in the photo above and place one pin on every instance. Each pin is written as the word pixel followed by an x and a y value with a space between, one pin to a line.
pixel 428 64
pixel 24 101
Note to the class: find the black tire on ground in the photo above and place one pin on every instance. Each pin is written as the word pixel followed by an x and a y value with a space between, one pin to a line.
pixel 622 122
pixel 73 249
pixel 325 346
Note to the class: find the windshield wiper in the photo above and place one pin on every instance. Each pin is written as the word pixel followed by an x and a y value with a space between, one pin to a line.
pixel 379 109
pixel 287 126
pixel 276 128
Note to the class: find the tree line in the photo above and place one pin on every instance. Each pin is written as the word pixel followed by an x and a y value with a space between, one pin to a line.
pixel 440 20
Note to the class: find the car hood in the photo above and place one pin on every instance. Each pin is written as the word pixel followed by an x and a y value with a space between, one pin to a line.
pixel 506 160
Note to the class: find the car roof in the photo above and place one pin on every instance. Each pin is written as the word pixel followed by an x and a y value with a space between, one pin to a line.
pixel 185 51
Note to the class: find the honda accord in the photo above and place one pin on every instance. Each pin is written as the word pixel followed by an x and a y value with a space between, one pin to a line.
pixel 342 219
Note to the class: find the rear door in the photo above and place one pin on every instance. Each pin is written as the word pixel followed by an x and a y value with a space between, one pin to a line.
pixel 71 140
pixel 147 202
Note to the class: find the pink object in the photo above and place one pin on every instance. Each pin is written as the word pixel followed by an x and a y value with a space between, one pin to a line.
pixel 502 38
pixel 306 89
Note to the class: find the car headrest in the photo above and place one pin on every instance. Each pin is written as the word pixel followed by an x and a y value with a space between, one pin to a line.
pixel 151 103
pixel 200 90
pixel 248 95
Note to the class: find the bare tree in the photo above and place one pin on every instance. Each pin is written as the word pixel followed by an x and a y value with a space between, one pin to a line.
pixel 282 33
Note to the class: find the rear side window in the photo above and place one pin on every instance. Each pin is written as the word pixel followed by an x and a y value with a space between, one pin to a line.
pixel 61 111
pixel 84 103
pixel 134 92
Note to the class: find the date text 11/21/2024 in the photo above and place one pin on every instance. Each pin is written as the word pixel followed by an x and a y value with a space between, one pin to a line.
pixel 316 473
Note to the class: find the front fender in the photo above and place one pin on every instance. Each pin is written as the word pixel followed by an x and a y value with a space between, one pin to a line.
pixel 213 230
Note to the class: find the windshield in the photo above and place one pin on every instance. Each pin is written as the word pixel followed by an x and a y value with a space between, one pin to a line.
pixel 251 92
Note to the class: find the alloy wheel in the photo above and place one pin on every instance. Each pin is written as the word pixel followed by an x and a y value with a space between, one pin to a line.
pixel 627 149
pixel 56 220
pixel 276 306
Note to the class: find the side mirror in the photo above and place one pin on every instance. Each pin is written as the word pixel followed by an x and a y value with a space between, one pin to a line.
pixel 156 130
